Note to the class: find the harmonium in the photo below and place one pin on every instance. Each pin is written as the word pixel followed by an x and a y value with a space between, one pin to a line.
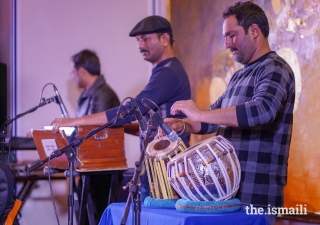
pixel 103 151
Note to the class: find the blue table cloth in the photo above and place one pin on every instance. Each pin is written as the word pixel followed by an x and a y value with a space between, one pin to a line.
pixel 164 216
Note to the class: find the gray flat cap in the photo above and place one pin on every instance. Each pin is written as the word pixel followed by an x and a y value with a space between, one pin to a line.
pixel 152 24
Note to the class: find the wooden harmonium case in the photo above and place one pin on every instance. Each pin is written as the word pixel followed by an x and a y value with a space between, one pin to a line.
pixel 103 151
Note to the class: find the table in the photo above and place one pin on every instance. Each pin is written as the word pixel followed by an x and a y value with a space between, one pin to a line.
pixel 164 216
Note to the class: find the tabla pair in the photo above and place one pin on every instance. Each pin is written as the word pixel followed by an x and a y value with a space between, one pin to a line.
pixel 207 171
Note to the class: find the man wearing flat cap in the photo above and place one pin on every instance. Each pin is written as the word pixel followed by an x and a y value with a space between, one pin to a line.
pixel 168 82
pixel 154 36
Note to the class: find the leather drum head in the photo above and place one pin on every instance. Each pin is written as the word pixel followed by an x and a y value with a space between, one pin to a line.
pixel 160 147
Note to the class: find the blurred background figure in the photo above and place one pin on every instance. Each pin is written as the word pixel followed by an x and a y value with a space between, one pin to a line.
pixel 97 96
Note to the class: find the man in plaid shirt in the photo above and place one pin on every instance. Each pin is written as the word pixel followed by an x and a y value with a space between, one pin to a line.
pixel 255 112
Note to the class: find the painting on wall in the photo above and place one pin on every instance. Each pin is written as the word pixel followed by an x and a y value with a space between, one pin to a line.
pixel 294 35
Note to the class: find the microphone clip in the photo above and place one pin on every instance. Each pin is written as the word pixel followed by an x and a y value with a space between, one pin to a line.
pixel 153 123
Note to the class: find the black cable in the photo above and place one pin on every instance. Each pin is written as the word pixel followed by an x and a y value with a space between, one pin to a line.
pixel 49 177
pixel 10 121
pixel 118 111
pixel 115 120
pixel 9 146
pixel 43 90
pixel 147 99
pixel 51 191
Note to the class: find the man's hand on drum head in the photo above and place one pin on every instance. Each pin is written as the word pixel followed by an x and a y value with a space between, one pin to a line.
pixel 188 107
pixel 173 123
pixel 62 122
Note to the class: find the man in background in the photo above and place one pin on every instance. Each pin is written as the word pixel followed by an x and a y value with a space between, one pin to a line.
pixel 97 96
pixel 168 82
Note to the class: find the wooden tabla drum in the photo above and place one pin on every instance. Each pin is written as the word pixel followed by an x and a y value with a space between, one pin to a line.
pixel 158 154
pixel 207 171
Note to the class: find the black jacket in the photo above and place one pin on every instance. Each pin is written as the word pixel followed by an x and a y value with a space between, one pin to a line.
pixel 97 98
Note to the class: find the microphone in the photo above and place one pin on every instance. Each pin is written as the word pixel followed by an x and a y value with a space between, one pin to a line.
pixel 64 111
pixel 139 117
pixel 171 134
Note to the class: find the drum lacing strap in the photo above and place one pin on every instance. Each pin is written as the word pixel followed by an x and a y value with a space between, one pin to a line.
pixel 158 171
pixel 151 184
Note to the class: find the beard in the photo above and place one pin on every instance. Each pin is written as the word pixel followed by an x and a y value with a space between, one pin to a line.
pixel 244 52
pixel 238 56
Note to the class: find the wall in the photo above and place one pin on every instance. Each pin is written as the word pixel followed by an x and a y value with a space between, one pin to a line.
pixel 50 32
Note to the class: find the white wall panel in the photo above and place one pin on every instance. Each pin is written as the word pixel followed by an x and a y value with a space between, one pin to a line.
pixel 50 32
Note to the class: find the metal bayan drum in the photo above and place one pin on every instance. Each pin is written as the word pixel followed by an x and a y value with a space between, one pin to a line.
pixel 158 154
pixel 208 171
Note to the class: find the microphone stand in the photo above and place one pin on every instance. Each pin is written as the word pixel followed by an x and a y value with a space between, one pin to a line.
pixel 71 155
pixel 134 188
pixel 3 130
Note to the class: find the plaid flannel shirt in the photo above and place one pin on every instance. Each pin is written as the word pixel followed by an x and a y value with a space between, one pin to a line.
pixel 263 93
